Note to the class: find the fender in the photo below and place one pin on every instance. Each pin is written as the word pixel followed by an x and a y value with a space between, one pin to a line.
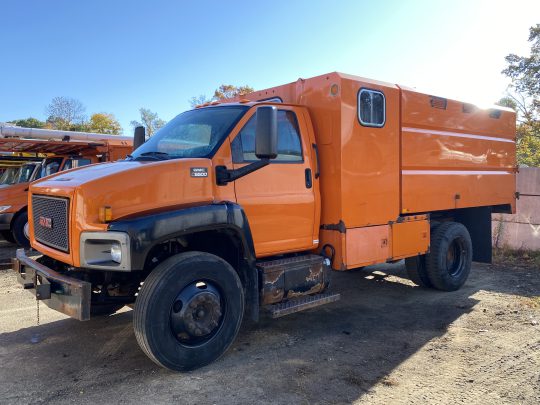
pixel 147 231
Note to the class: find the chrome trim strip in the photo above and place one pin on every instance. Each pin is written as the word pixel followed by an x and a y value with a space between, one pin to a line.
pixel 456 172
pixel 456 134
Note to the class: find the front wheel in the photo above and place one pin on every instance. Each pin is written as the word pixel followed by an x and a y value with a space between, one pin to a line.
pixel 188 311
pixel 20 230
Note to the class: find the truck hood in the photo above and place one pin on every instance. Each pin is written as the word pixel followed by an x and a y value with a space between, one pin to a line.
pixel 130 187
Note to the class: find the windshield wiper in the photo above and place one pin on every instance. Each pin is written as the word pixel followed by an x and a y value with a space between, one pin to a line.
pixel 155 155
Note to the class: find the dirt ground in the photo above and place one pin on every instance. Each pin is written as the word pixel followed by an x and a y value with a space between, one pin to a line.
pixel 386 341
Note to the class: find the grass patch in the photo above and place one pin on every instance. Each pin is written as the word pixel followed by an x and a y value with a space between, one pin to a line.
pixel 522 257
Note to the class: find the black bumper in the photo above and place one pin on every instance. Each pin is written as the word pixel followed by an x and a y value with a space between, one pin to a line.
pixel 5 221
pixel 64 294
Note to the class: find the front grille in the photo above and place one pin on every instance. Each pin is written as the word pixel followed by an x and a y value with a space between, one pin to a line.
pixel 51 225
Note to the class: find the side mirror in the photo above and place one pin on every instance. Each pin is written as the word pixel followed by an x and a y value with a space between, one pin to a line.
pixel 139 137
pixel 266 134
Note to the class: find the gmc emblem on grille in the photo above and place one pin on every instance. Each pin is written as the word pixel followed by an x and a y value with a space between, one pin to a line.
pixel 45 222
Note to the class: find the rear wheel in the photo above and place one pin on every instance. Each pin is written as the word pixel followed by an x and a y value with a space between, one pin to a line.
pixel 449 262
pixel 20 229
pixel 188 311
pixel 416 266
pixel 416 270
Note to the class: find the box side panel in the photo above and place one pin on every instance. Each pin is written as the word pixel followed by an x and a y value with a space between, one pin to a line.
pixel 442 190
pixel 455 155
pixel 410 238
pixel 369 159
pixel 366 246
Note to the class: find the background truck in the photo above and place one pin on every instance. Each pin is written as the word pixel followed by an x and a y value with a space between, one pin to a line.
pixel 10 167
pixel 237 206
pixel 65 150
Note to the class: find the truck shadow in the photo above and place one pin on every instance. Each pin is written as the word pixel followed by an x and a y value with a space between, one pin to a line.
pixel 335 353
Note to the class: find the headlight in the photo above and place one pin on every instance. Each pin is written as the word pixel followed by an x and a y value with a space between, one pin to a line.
pixel 116 253
pixel 105 250
pixel 4 208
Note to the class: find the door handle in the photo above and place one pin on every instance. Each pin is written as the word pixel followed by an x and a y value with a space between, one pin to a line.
pixel 309 181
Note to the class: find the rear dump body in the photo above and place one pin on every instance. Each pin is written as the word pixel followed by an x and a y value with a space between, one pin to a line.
pixel 379 183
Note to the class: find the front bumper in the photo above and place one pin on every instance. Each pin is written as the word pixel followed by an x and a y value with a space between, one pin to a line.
pixel 5 221
pixel 67 295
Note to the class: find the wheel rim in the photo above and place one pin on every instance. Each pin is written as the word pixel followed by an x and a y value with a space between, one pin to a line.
pixel 26 231
pixel 455 257
pixel 196 313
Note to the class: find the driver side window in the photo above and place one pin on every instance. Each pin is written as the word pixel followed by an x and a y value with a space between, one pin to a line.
pixel 289 145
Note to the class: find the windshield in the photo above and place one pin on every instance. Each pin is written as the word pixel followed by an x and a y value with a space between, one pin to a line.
pixel 25 173
pixel 195 133
pixel 50 166
pixel 9 175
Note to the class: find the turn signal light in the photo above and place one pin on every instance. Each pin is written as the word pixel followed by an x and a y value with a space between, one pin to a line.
pixel 105 214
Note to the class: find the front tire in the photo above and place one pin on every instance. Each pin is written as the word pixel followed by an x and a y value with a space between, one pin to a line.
pixel 20 230
pixel 449 262
pixel 188 311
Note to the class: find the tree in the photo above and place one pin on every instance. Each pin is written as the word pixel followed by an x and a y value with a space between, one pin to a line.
pixel 223 92
pixel 64 112
pixel 226 91
pixel 149 120
pixel 104 123
pixel 524 97
pixel 28 123
pixel 195 101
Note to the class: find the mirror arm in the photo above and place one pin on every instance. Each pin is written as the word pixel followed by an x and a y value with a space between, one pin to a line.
pixel 224 175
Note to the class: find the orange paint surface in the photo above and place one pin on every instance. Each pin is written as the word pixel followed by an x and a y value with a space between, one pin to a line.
pixel 431 154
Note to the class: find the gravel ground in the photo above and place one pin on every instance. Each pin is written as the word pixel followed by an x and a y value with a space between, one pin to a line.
pixel 386 341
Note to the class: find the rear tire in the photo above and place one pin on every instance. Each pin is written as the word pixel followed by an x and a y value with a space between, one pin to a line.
pixel 188 311
pixel 416 270
pixel 416 266
pixel 17 228
pixel 8 236
pixel 448 264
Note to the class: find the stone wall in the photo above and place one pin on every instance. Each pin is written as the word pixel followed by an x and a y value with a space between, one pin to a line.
pixel 521 231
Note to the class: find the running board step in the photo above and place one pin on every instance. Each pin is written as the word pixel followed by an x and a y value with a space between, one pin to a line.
pixel 301 304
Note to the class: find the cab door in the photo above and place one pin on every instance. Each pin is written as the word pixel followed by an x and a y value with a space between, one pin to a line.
pixel 279 199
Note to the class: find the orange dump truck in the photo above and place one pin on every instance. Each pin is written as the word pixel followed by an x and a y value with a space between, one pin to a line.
pixel 237 206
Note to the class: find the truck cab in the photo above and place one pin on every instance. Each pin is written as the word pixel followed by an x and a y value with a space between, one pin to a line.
pixel 247 205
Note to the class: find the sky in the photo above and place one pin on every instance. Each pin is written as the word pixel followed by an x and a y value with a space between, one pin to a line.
pixel 119 56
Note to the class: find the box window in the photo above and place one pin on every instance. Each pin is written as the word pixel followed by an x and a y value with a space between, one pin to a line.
pixel 371 108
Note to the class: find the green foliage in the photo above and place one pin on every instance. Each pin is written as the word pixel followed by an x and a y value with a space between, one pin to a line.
pixel 524 97
pixel 104 123
pixel 525 71
pixel 28 123
pixel 528 144
pixel 508 102
pixel 149 120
